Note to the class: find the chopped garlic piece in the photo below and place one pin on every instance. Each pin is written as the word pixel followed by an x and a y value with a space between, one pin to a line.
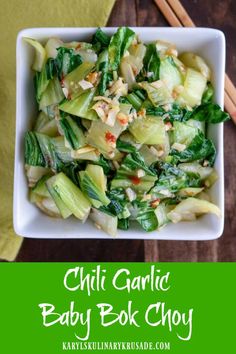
pixel 107 109
pixel 172 51
pixel 111 154
pixel 102 98
pixel 86 148
pixel 102 109
pixel 146 197
pixel 168 126
pixel 140 173
pixel 119 88
pixel 111 118
pixel 75 153
pixel 165 192
pixel 85 84
pixel 130 194
pixel 157 152
pixel 178 146
pixel 157 84
pixel 150 73
pixel 112 144
pixel 65 91
pixel 167 107
pixel 165 116
pixel 163 46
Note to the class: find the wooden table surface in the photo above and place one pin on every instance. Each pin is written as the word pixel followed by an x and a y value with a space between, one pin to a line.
pixel 145 13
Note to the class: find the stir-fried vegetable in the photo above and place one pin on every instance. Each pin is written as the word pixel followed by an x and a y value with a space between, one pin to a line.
pixel 120 134
pixel 191 206
pixel 70 196
pixel 118 45
pixel 94 184
pixel 40 54
pixel 73 133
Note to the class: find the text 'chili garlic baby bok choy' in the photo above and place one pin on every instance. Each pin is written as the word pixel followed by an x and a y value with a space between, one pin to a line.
pixel 120 135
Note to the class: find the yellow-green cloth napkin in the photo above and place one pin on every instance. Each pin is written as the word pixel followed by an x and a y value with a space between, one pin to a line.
pixel 16 15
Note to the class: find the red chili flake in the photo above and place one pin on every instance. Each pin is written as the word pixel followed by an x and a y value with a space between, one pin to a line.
pixel 123 121
pixel 78 46
pixel 141 112
pixel 62 81
pixel 155 203
pixel 110 138
pixel 122 118
pixel 134 179
pixel 168 125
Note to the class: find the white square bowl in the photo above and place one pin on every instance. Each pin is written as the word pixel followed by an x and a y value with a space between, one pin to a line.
pixel 30 221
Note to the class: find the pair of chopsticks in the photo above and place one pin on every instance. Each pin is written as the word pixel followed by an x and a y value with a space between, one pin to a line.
pixel 177 16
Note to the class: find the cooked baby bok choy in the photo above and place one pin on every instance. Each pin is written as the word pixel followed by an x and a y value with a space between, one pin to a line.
pixel 121 132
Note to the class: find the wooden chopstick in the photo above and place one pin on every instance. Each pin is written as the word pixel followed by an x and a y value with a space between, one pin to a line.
pixel 183 17
pixel 151 251
pixel 230 88
pixel 181 13
pixel 230 106
pixel 177 16
pixel 168 13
